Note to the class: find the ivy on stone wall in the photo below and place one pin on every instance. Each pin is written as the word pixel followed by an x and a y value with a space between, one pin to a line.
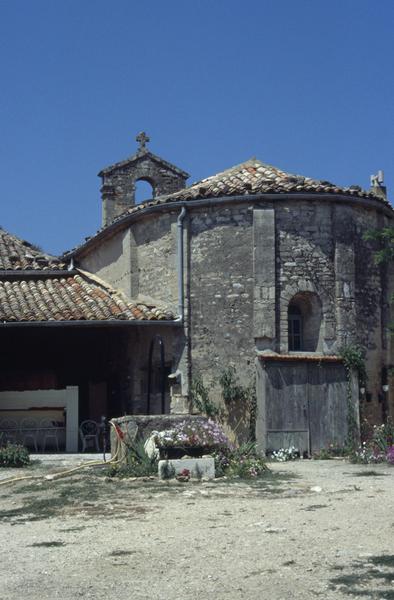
pixel 385 254
pixel 354 360
pixel 385 237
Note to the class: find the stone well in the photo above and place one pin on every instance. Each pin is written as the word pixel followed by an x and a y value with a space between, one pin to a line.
pixel 140 427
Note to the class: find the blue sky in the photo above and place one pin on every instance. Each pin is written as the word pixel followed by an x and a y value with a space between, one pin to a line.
pixel 306 85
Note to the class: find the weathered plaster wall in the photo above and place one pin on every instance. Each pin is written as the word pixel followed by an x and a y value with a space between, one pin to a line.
pixel 111 260
pixel 140 260
pixel 154 255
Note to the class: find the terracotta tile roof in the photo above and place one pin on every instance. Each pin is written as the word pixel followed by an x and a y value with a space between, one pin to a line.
pixel 255 177
pixel 249 178
pixel 17 254
pixel 71 297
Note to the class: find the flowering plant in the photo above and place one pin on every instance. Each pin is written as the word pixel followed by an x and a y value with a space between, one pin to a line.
pixel 240 462
pixel 184 475
pixel 378 444
pixel 192 434
pixel 250 467
pixel 285 454
pixel 367 454
pixel 390 455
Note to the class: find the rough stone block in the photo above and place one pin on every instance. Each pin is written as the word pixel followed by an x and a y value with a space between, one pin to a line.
pixel 198 467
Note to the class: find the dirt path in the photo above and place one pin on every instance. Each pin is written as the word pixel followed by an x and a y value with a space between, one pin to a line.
pixel 311 529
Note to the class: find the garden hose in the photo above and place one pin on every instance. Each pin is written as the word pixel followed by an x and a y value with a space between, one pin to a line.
pixel 52 477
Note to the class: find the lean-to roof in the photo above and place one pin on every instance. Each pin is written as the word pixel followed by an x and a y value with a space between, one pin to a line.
pixel 37 287
pixel 69 297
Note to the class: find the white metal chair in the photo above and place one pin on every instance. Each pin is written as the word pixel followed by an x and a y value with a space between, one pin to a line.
pixel 28 430
pixel 9 427
pixel 49 432
pixel 89 432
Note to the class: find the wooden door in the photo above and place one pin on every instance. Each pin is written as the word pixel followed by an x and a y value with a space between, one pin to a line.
pixel 287 417
pixel 305 405
pixel 327 397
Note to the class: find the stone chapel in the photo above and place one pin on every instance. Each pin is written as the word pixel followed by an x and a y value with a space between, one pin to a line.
pixel 253 268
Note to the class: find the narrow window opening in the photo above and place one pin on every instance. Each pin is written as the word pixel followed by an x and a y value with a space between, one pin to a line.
pixel 295 329
pixel 143 191
pixel 305 323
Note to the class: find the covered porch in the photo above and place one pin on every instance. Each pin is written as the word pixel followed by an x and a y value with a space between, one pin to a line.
pixel 55 377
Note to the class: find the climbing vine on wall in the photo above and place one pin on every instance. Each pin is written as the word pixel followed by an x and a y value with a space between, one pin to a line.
pixel 384 254
pixel 354 361
pixel 232 392
pixel 199 396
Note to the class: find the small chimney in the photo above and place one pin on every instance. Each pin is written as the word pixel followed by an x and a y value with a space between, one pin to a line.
pixel 377 186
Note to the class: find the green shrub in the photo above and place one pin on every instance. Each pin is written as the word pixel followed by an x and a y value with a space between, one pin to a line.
pixel 14 455
pixel 382 436
pixel 330 452
pixel 138 463
pixel 240 462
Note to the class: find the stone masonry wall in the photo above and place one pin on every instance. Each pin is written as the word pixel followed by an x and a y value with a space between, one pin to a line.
pixel 305 263
pixel 221 301
pixel 221 290
pixel 319 250
pixel 312 247
pixel 372 311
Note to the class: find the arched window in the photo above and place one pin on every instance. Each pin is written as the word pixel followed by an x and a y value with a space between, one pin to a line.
pixel 295 328
pixel 304 322
pixel 143 191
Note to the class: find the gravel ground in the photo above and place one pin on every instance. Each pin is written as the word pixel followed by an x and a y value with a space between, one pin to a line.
pixel 310 529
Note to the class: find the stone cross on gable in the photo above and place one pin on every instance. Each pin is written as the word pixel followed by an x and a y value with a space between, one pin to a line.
pixel 142 139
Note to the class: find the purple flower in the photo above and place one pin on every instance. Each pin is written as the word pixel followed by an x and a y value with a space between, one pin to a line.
pixel 390 455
